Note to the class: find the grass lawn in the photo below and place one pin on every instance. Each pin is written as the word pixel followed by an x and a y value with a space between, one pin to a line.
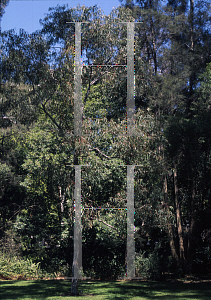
pixel 142 290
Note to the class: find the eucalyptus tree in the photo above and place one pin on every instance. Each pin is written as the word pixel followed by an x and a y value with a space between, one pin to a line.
pixel 193 39
pixel 187 153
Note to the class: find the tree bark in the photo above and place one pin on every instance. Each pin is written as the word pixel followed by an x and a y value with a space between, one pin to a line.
pixel 172 243
pixel 192 223
pixel 62 200
pixel 169 225
pixel 191 47
pixel 179 219
pixel 191 24
pixel 170 232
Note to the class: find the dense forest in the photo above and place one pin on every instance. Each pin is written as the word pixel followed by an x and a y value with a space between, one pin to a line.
pixel 172 144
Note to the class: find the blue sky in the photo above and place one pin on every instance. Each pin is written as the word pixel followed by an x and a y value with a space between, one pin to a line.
pixel 27 13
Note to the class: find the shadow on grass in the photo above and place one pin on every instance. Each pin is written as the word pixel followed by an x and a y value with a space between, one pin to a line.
pixel 160 290
pixel 35 289
pixel 44 289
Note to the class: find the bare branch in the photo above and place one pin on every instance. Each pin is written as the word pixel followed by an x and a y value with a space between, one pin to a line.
pixel 10 118
pixel 111 227
pixel 52 119
pixel 17 211
pixel 97 150
pixel 108 225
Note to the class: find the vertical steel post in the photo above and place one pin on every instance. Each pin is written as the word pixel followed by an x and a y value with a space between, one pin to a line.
pixel 130 79
pixel 130 260
pixel 77 258
pixel 78 82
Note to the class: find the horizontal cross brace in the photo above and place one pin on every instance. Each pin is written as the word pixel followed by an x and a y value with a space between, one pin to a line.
pixel 103 208
pixel 104 65
pixel 91 165
pixel 93 22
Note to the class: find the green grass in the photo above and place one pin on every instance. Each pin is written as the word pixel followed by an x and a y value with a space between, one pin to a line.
pixel 59 289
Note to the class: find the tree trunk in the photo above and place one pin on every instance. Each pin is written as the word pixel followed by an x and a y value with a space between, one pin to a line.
pixel 170 232
pixel 62 200
pixel 179 220
pixel 191 24
pixel 192 223
pixel 169 225
pixel 192 75
pixel 172 243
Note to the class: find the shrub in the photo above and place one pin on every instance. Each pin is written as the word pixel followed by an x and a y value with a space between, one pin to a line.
pixel 202 261
pixel 142 265
pixel 18 267
pixel 153 264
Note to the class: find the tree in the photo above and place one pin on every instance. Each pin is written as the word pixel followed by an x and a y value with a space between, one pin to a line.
pixel 3 4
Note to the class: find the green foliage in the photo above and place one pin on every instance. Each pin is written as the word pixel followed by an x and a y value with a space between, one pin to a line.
pixel 201 261
pixel 12 264
pixel 5 175
pixel 172 126
pixel 142 266
pixel 16 266
pixel 203 92
pixel 104 244
pixel 152 264
pixel 4 3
